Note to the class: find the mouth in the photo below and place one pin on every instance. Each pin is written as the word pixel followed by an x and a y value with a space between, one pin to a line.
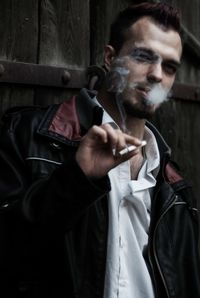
pixel 143 90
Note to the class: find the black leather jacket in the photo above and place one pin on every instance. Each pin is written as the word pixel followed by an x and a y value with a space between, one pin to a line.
pixel 53 220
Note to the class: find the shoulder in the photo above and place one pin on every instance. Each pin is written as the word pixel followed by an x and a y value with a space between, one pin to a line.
pixel 23 111
pixel 24 116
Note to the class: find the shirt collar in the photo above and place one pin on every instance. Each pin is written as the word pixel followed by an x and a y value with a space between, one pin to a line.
pixel 152 152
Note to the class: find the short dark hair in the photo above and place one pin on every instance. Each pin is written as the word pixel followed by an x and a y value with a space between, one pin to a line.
pixel 162 13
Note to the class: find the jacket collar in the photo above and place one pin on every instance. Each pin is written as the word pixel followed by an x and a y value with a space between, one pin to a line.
pixel 67 122
pixel 164 149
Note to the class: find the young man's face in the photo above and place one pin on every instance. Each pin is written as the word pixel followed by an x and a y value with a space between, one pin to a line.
pixel 144 70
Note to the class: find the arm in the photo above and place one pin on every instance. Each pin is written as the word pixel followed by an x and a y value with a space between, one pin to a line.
pixel 70 189
pixel 59 198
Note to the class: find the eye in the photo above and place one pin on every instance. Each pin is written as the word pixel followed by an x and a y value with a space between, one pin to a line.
pixel 169 68
pixel 142 57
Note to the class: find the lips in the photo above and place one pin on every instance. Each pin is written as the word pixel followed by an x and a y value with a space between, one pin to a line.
pixel 143 90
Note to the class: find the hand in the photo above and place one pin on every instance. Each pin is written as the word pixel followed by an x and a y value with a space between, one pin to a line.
pixel 95 153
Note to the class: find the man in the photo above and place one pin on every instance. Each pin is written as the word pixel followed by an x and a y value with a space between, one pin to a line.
pixel 92 204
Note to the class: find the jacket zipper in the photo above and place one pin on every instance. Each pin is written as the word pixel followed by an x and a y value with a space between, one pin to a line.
pixel 154 246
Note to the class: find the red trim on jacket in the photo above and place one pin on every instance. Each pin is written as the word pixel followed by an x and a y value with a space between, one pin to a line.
pixel 171 174
pixel 65 121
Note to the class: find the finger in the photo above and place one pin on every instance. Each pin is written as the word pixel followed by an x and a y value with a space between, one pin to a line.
pixel 116 138
pixel 124 136
pixel 96 133
pixel 124 143
pixel 132 140
pixel 129 144
pixel 113 134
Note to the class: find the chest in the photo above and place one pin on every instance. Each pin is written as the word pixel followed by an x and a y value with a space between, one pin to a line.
pixel 136 163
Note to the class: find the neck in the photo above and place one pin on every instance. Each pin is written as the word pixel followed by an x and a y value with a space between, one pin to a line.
pixel 134 126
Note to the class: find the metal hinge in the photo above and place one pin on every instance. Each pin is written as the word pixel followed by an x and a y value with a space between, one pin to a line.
pixel 41 75
pixel 186 92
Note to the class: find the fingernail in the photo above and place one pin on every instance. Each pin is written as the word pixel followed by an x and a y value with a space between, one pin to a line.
pixel 114 152
pixel 143 143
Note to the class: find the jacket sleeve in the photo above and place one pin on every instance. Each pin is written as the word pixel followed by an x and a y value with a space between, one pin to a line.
pixel 64 196
pixel 60 198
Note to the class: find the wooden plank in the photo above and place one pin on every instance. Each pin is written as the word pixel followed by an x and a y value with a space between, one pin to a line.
pixel 32 74
pixel 64 39
pixel 18 35
pixel 102 14
pixel 64 32
pixel 190 12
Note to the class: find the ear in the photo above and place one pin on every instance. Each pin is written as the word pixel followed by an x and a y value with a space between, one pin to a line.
pixel 109 55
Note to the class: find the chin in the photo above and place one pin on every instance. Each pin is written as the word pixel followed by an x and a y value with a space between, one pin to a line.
pixel 141 112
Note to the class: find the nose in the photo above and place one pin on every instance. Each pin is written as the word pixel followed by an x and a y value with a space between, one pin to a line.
pixel 155 73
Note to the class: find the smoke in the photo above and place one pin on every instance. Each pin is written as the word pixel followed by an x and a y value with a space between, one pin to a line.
pixel 116 83
pixel 117 77
pixel 157 95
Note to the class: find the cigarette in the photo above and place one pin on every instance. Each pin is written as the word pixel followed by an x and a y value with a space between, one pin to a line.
pixel 131 148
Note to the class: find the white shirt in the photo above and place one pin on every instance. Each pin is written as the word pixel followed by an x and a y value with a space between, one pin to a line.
pixel 129 203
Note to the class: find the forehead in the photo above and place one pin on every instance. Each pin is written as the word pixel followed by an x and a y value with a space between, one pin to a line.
pixel 146 33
